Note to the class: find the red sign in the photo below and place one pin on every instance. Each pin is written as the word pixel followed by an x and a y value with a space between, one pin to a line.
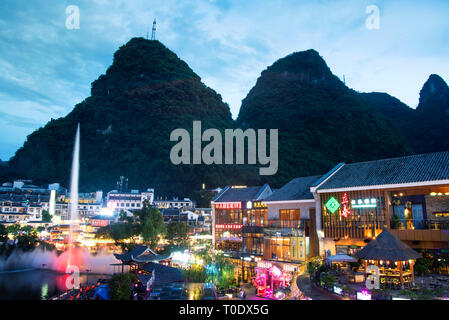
pixel 344 202
pixel 228 226
pixel 99 223
pixel 229 205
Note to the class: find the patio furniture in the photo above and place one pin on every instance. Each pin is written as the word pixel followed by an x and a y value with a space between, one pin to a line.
pixel 386 247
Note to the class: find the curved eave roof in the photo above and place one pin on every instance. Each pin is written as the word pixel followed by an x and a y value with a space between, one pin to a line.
pixel 417 169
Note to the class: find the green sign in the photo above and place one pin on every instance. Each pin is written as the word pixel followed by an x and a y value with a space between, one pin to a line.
pixel 332 205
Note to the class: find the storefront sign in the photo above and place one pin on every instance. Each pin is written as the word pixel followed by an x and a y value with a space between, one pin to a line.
pixel 364 203
pixel 259 204
pixel 264 265
pixel 99 223
pixel 285 267
pixel 338 290
pixel 364 295
pixel 332 205
pixel 344 202
pixel 228 226
pixel 229 205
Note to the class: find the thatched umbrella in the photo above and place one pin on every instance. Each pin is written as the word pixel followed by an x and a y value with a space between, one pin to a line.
pixel 389 248
pixel 341 257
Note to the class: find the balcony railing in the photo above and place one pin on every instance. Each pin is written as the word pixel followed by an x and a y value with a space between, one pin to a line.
pixel 285 228
pixel 427 224
pixel 280 224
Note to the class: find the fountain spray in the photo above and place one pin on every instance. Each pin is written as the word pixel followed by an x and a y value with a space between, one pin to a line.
pixel 73 209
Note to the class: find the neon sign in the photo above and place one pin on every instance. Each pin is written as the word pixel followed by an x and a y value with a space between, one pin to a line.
pixel 228 226
pixel 229 205
pixel 364 203
pixel 344 202
pixel 259 204
pixel 332 205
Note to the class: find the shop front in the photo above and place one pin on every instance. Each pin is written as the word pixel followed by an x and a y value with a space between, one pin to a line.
pixel 272 279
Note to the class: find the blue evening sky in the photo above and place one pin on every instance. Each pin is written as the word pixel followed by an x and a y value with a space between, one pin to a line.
pixel 45 68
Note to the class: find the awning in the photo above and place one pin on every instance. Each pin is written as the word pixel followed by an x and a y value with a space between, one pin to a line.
pixel 341 257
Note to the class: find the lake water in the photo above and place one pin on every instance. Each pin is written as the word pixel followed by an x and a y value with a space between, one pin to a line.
pixel 35 284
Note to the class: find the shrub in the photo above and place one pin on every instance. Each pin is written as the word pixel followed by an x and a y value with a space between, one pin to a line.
pixel 120 286
pixel 328 280
pixel 422 266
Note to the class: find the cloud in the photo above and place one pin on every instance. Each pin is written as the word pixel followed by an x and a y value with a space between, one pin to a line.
pixel 45 69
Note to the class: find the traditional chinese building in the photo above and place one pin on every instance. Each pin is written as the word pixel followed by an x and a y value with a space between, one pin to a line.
pixel 408 195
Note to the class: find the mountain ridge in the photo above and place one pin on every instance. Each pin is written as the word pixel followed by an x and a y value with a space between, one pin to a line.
pixel 149 91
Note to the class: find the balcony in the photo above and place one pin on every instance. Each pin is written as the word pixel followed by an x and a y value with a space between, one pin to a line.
pixel 428 224
pixel 424 230
pixel 286 228
pixel 281 224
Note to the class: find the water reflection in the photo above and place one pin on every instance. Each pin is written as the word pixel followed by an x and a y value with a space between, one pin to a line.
pixel 38 284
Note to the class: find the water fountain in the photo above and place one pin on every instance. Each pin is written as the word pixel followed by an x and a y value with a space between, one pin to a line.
pixel 73 262
pixel 73 208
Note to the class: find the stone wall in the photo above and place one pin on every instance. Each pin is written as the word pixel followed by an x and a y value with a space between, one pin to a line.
pixel 437 204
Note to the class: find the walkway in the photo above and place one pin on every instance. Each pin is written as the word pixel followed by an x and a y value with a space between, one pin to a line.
pixel 312 291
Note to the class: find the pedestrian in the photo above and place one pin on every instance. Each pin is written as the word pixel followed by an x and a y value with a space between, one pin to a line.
pixel 242 294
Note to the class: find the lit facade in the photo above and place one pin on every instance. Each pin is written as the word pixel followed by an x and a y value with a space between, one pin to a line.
pixel 408 195
pixel 129 200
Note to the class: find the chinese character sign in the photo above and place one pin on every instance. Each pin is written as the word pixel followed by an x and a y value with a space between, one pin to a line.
pixel 345 202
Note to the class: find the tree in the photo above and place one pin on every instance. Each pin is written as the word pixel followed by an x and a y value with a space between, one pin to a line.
pixel 27 230
pixel 395 222
pixel 203 198
pixel 152 227
pixel 117 232
pixel 124 217
pixel 46 216
pixel 3 233
pixel 177 233
pixel 13 229
pixel 120 286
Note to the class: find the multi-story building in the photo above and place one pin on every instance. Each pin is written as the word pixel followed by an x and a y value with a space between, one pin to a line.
pixel 290 234
pixel 176 203
pixel 408 195
pixel 89 204
pixel 233 213
pixel 129 200
pixel 206 213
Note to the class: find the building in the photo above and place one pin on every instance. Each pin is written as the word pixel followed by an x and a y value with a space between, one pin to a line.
pixel 89 205
pixel 129 200
pixel 290 234
pixel 171 215
pixel 238 219
pixel 206 213
pixel 408 195
pixel 194 221
pixel 231 209
pixel 176 203
pixel 21 202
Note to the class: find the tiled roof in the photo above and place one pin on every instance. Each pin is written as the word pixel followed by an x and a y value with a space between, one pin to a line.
pixel 164 274
pixel 296 189
pixel 410 169
pixel 230 194
pixel 170 212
